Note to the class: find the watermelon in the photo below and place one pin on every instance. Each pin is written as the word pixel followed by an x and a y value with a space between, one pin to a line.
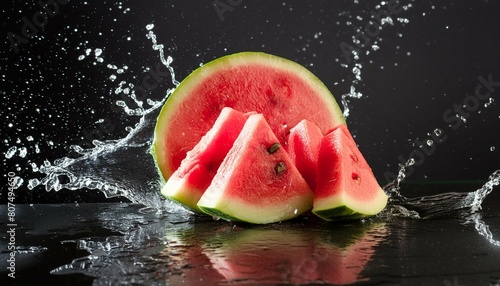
pixel 188 183
pixel 303 147
pixel 345 187
pixel 283 91
pixel 257 182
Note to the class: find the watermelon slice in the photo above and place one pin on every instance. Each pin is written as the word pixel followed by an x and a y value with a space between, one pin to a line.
pixel 257 182
pixel 346 187
pixel 188 183
pixel 303 147
pixel 283 91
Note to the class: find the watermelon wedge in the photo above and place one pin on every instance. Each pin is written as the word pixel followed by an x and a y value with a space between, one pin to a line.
pixel 188 183
pixel 283 91
pixel 257 182
pixel 346 187
pixel 303 146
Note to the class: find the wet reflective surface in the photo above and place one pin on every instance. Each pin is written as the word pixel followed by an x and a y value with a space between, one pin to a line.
pixel 113 244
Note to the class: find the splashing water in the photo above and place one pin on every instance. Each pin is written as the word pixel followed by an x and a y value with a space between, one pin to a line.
pixel 358 50
pixel 436 205
pixel 107 166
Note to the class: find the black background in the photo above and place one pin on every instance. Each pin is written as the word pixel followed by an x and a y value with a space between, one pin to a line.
pixel 421 69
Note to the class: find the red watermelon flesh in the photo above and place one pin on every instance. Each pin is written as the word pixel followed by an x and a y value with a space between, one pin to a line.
pixel 188 183
pixel 346 187
pixel 303 147
pixel 257 182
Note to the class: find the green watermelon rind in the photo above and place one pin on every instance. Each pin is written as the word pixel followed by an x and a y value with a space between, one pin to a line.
pixel 218 214
pixel 339 214
pixel 344 208
pixel 164 168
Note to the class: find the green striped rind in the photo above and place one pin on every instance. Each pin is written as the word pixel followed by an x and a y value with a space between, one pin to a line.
pixel 161 178
pixel 217 204
pixel 344 207
pixel 340 213
pixel 218 214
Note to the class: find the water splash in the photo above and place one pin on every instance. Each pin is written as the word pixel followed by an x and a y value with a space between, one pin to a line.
pixel 120 167
pixel 440 204
pixel 363 44
pixel 482 228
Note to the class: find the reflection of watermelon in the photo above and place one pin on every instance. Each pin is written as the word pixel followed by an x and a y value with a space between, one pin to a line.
pixel 257 182
pixel 339 263
pixel 272 256
pixel 346 186
pixel 283 91
pixel 264 256
pixel 188 183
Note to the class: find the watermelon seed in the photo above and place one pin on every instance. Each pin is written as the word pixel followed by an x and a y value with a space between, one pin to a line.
pixel 273 148
pixel 354 157
pixel 356 178
pixel 280 168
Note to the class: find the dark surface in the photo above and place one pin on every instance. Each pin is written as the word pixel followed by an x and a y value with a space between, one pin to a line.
pixel 420 70
pixel 131 245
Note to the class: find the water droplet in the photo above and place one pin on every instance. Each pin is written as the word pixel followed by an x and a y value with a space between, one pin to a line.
pixel 22 152
pixel 438 132
pixel 12 150
pixel 387 20
pixel 492 148
pixel 490 101
pixel 16 182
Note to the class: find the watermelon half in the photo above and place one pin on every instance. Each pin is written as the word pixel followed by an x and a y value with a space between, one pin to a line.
pixel 283 91
pixel 345 186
